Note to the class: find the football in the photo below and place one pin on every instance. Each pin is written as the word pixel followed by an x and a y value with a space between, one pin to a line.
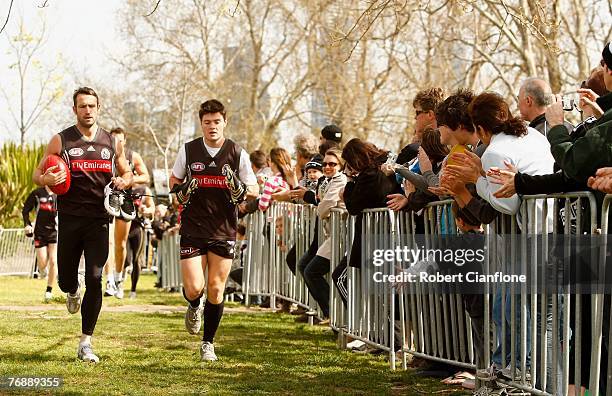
pixel 55 160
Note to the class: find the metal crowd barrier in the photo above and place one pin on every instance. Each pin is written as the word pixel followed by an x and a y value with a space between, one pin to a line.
pixel 169 271
pixel 17 254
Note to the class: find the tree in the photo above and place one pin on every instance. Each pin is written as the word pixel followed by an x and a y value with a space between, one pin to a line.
pixel 38 83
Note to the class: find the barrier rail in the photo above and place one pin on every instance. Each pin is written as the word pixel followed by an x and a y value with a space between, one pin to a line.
pixel 169 271
pixel 17 254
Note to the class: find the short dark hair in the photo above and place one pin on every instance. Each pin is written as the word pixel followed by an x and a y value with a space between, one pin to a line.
pixel 428 99
pixel 453 111
pixel 259 159
pixel 327 145
pixel 210 107
pixel 84 91
pixel 117 131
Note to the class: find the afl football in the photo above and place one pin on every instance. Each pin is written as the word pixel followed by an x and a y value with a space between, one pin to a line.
pixel 55 160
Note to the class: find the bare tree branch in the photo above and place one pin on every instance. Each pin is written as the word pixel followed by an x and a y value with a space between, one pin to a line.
pixel 8 15
pixel 154 9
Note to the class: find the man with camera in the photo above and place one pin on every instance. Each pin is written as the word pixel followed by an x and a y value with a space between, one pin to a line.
pixel 533 98
pixel 581 159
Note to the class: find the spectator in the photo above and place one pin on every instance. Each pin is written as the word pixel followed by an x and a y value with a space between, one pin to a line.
pixel 329 197
pixel 424 104
pixel 432 154
pixel 534 97
pixel 508 140
pixel 259 164
pixel 367 186
pixel 581 158
pixel 314 171
pixel 283 179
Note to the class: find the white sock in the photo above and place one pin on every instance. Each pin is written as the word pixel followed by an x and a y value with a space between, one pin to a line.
pixel 110 277
pixel 85 339
pixel 118 277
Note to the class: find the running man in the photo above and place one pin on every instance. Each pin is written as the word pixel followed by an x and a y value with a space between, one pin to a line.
pixel 43 200
pixel 122 227
pixel 209 218
pixel 145 208
pixel 91 153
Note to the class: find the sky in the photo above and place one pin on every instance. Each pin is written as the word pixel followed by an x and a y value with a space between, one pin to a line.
pixel 83 33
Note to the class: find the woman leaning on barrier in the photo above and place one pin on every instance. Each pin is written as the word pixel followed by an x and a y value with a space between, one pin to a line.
pixel 509 141
pixel 367 186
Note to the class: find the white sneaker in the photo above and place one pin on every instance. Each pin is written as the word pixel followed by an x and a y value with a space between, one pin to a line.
pixel 207 352
pixel 73 301
pixel 110 289
pixel 119 292
pixel 356 345
pixel 132 295
pixel 193 318
pixel 48 296
pixel 86 354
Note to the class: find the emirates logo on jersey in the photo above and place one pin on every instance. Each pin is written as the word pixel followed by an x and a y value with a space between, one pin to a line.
pixel 91 166
pixel 75 152
pixel 197 166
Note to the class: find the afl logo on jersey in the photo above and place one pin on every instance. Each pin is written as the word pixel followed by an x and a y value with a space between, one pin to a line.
pixel 75 152
pixel 105 153
pixel 197 166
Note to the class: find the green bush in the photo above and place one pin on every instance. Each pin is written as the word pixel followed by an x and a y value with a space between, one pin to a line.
pixel 17 164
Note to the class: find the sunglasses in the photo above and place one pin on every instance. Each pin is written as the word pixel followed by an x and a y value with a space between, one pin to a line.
pixel 418 112
pixel 329 164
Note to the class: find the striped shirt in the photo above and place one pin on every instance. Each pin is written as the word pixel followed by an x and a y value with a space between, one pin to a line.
pixel 273 185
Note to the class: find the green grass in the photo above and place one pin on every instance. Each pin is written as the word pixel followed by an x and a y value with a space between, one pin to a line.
pixel 152 354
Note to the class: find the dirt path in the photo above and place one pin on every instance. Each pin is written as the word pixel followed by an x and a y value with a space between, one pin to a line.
pixel 126 308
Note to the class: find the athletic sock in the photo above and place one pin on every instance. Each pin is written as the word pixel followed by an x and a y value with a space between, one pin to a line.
pixel 118 277
pixel 212 318
pixel 49 288
pixel 110 277
pixel 194 303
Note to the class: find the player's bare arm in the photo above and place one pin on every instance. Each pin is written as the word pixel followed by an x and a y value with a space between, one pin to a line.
pixel 142 174
pixel 126 178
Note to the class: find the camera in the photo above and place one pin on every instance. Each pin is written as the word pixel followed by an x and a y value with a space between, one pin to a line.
pixel 568 103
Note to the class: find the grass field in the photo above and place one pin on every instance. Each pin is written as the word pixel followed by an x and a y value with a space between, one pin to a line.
pixel 151 353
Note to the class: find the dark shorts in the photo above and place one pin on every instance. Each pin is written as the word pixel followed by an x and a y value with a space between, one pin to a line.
pixel 40 241
pixel 194 247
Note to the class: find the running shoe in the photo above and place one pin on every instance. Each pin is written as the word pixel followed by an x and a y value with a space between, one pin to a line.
pixel 488 374
pixel 127 208
pixel 132 295
pixel 112 201
pixel 237 188
pixel 110 289
pixel 119 290
pixel 73 301
pixel 48 296
pixel 507 373
pixel 193 318
pixel 207 352
pixel 86 354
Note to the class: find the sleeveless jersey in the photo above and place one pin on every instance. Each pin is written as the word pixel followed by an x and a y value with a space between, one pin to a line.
pixel 45 204
pixel 91 165
pixel 139 220
pixel 210 214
